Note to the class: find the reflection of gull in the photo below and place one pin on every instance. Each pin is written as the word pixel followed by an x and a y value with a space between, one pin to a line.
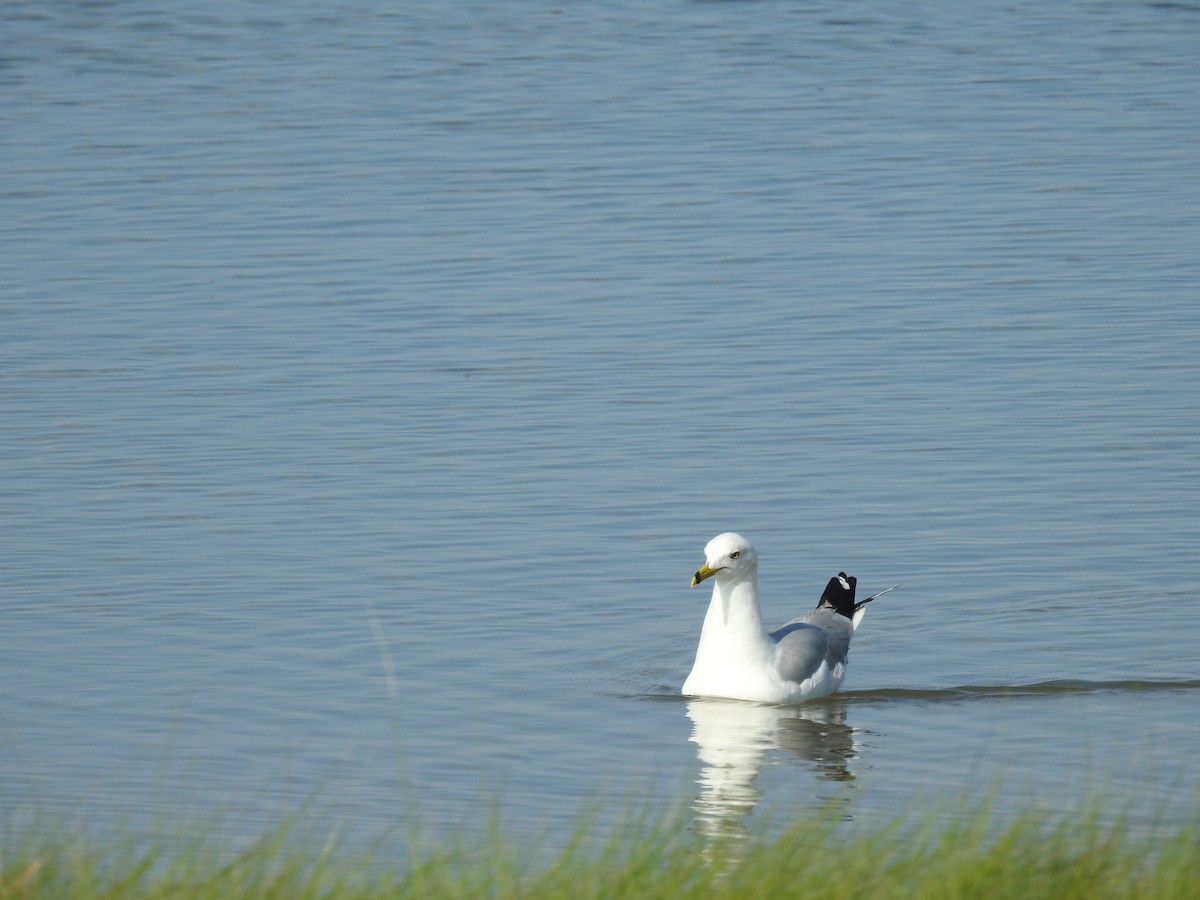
pixel 733 741
pixel 737 658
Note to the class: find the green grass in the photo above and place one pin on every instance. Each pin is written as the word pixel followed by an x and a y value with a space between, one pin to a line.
pixel 965 855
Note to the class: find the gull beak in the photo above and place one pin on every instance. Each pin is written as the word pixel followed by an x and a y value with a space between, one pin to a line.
pixel 704 572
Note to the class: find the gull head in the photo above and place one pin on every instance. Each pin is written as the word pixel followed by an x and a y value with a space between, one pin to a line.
pixel 728 556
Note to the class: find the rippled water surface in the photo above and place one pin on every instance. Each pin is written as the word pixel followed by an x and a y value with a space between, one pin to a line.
pixel 371 380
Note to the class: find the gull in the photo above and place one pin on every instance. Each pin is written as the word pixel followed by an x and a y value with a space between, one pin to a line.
pixel 737 657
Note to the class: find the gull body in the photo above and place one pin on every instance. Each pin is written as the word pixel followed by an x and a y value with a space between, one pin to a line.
pixel 737 657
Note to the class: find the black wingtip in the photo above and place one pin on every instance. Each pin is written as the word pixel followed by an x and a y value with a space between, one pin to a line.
pixel 839 594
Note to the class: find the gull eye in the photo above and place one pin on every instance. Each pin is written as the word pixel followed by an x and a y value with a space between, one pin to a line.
pixel 735 554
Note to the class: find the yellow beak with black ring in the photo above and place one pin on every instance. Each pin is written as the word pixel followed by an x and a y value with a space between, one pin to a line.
pixel 703 573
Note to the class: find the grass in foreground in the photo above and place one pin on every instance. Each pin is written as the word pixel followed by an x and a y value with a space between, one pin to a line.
pixel 1029 858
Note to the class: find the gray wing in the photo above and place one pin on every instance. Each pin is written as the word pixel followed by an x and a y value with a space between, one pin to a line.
pixel 805 642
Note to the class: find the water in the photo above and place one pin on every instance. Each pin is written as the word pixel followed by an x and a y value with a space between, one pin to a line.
pixel 372 380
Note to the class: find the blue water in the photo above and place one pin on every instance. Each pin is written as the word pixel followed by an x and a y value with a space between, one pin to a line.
pixel 371 380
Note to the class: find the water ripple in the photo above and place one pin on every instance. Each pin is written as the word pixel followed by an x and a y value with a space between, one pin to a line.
pixel 987 691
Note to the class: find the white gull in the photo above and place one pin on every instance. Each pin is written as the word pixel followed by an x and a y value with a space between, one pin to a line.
pixel 737 657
